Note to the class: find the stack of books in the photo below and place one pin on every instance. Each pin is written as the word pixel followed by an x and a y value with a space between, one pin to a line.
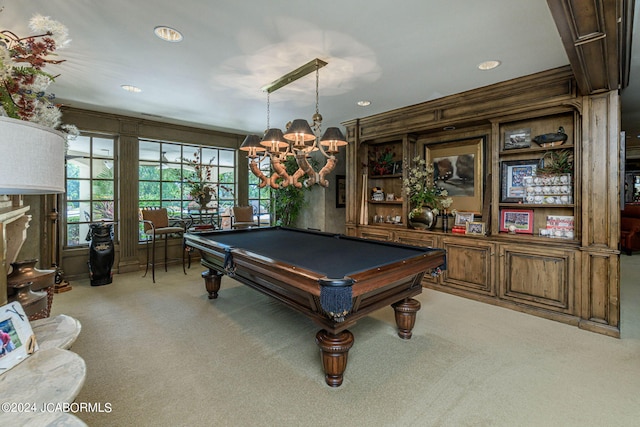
pixel 459 229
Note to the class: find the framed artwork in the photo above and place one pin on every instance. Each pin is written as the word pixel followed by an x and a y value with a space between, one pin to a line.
pixel 516 221
pixel 341 191
pixel 517 138
pixel 462 218
pixel 16 337
pixel 475 228
pixel 458 168
pixel 512 179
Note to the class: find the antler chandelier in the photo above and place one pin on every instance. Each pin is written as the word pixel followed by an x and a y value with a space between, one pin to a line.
pixel 299 140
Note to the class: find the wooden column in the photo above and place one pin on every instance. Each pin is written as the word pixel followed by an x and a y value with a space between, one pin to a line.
pixel 600 293
pixel 13 233
pixel 128 185
pixel 352 189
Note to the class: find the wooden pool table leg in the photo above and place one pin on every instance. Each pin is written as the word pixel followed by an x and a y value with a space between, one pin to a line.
pixel 212 282
pixel 334 349
pixel 406 316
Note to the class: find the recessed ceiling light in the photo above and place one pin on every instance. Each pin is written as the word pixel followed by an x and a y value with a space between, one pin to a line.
pixel 168 34
pixel 489 65
pixel 364 103
pixel 130 88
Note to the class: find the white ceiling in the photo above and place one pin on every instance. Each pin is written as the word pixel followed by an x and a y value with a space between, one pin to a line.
pixel 391 53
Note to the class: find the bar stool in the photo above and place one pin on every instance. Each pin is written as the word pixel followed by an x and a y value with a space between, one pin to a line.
pixel 156 226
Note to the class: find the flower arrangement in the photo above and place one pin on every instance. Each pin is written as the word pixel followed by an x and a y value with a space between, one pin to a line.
pixel 422 189
pixel 23 83
pixel 200 188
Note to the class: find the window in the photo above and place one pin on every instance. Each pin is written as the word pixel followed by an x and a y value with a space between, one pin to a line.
pixel 90 170
pixel 166 169
pixel 260 198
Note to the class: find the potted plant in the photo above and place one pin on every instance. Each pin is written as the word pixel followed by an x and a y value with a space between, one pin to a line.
pixel 290 200
pixel 426 199
pixel 200 188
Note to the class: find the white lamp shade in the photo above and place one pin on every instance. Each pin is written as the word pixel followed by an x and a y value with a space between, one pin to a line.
pixel 31 158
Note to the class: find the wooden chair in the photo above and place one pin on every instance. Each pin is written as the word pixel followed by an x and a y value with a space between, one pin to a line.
pixel 156 226
pixel 243 217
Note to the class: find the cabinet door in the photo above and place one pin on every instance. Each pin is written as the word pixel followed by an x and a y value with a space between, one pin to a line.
pixel 470 265
pixel 541 277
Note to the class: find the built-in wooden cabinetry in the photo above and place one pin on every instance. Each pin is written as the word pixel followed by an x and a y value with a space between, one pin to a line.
pixel 573 279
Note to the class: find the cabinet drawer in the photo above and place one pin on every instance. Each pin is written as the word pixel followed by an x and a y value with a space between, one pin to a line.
pixel 375 234
pixel 415 238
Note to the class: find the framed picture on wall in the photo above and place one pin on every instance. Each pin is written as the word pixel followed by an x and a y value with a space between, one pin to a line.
pixel 459 169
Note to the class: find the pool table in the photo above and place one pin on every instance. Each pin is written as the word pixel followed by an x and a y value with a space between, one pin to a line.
pixel 332 279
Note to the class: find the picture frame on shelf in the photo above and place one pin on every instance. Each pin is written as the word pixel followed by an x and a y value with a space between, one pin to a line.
pixel 477 228
pixel 459 169
pixel 512 173
pixel 21 342
pixel 341 191
pixel 517 138
pixel 462 218
pixel 516 221
pixel 397 167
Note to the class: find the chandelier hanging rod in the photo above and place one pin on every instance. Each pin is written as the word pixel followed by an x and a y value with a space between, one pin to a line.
pixel 294 75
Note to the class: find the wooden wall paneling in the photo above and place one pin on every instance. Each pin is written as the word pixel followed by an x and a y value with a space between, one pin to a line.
pixel 600 171
pixel 552 88
pixel 590 32
pixel 601 293
pixel 128 154
pixel 600 283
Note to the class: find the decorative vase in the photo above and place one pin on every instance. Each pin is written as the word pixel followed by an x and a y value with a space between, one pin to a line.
pixel 33 303
pixel 39 280
pixel 445 222
pixel 26 271
pixel 204 200
pixel 422 219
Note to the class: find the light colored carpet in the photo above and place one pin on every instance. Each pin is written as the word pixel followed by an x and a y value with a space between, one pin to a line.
pixel 165 355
